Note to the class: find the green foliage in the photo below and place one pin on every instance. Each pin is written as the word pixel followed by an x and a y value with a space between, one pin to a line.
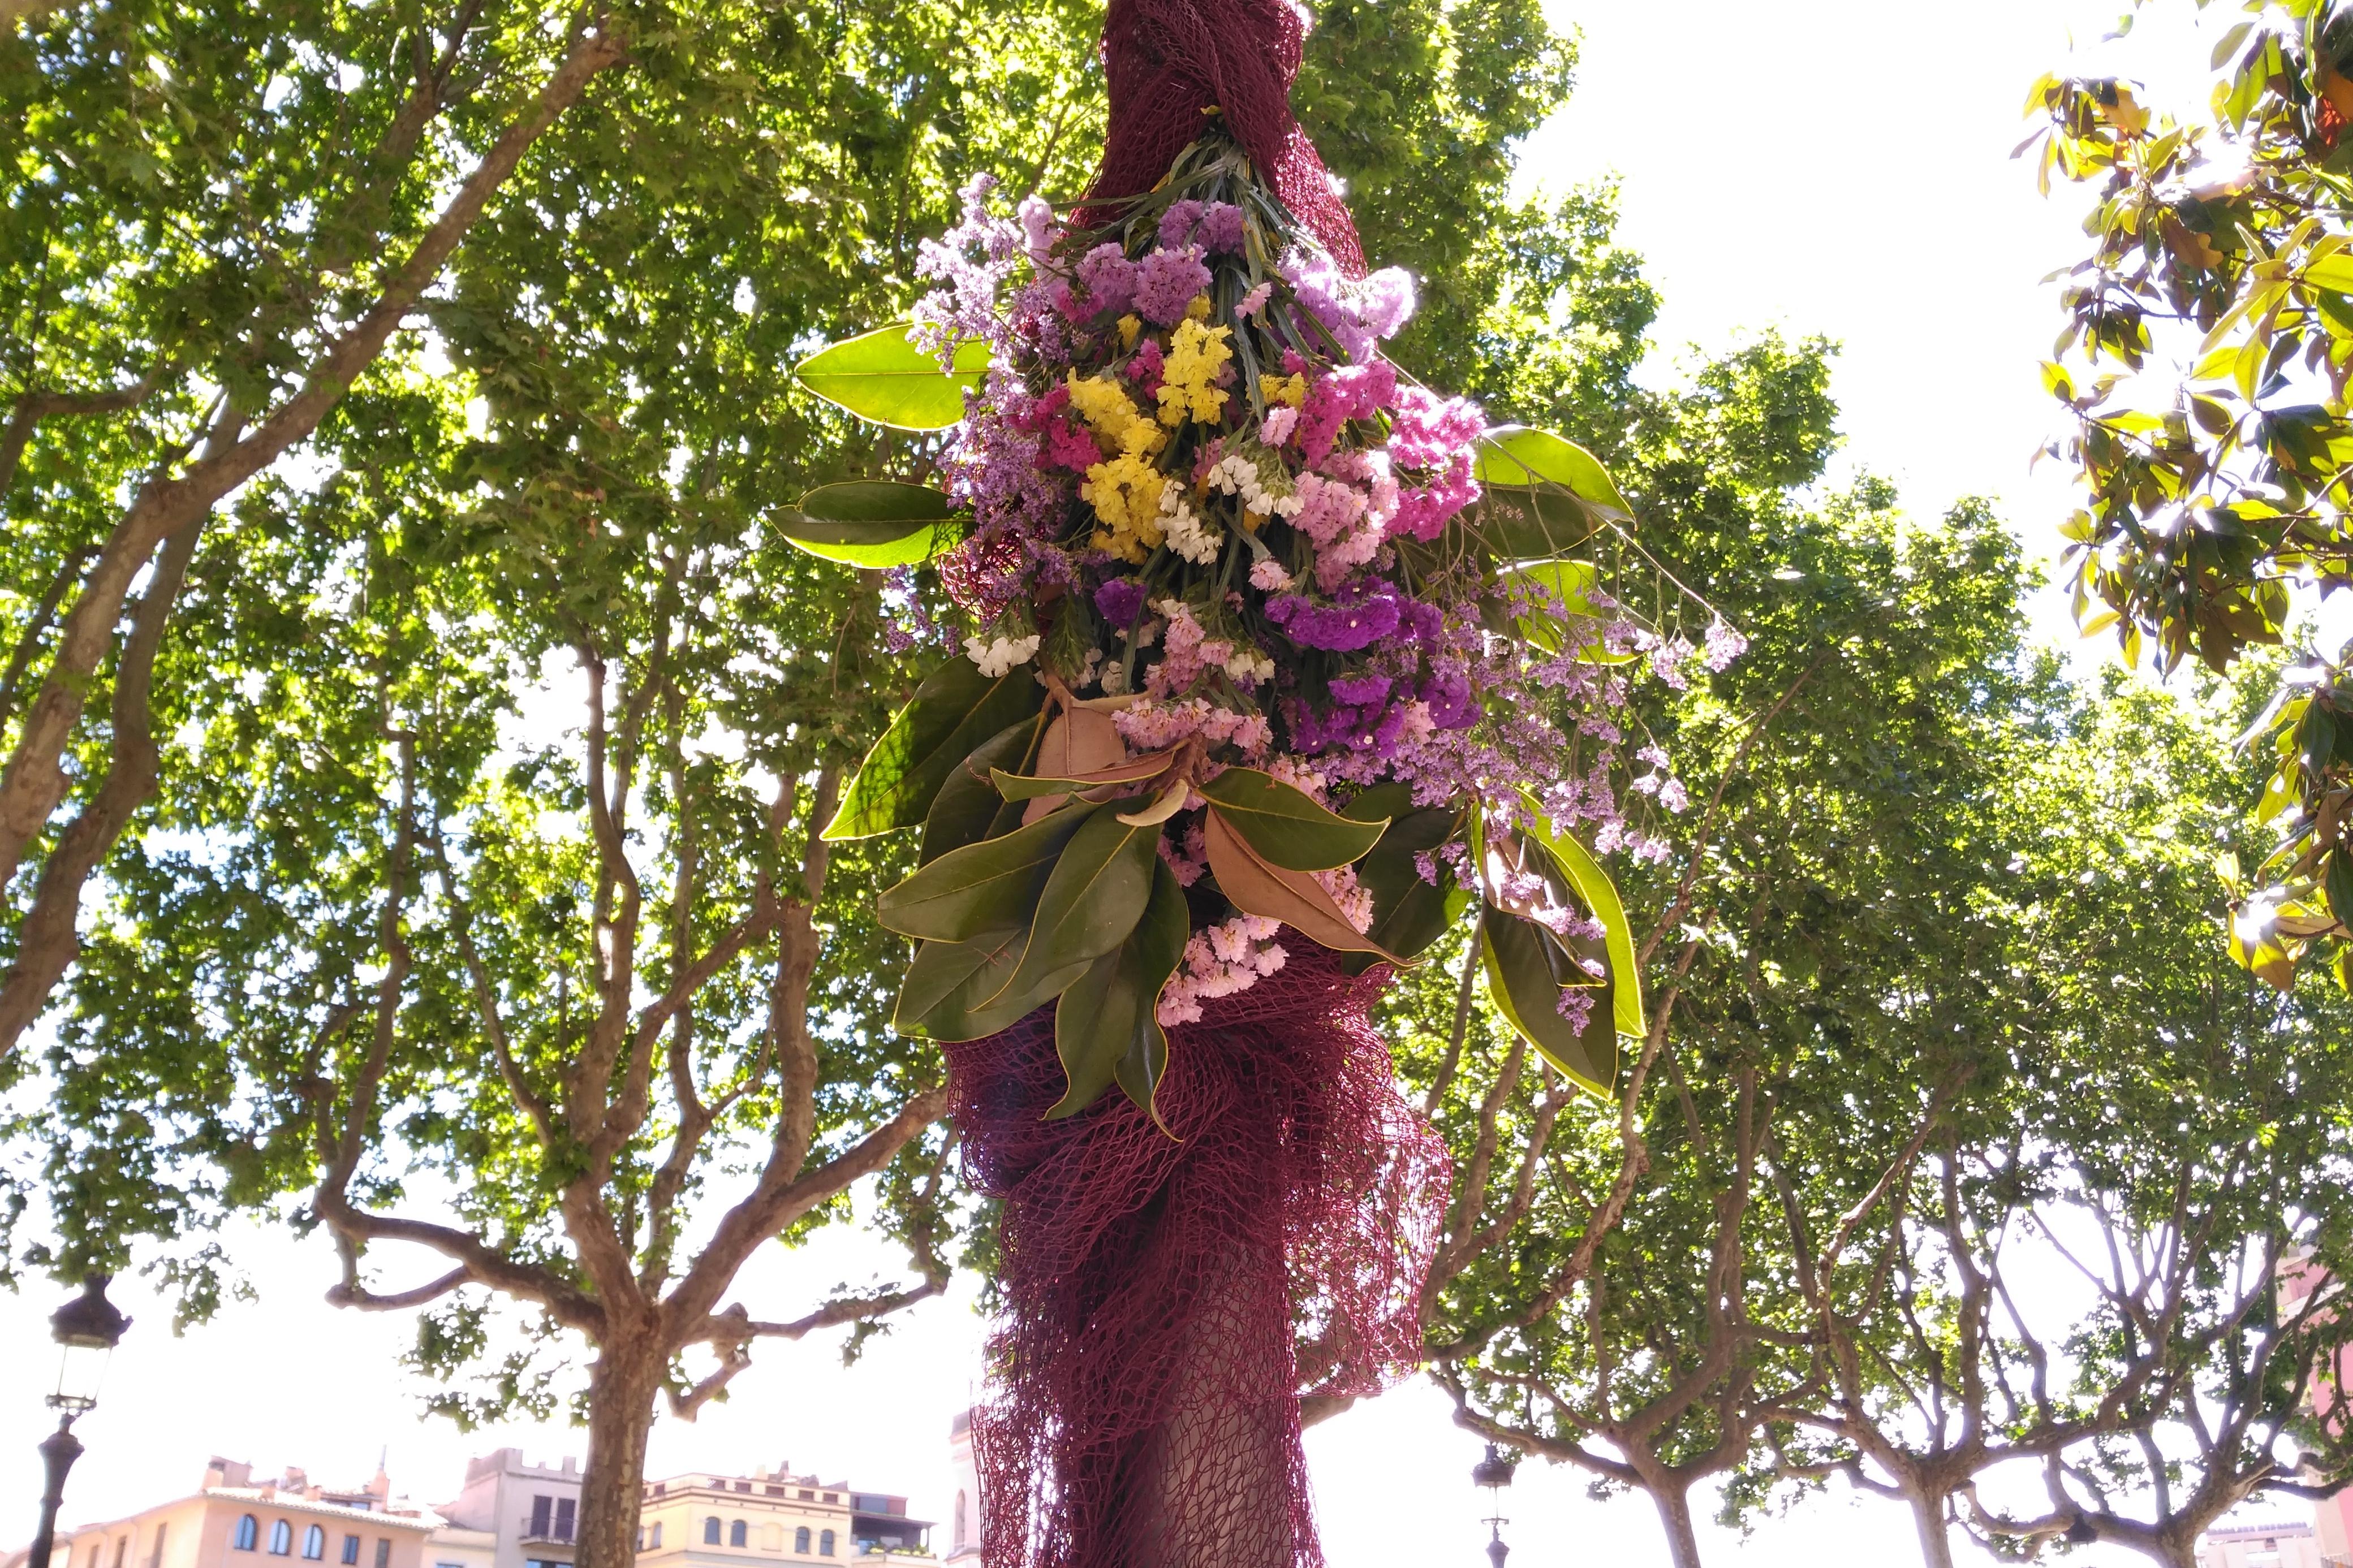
pixel 2215 337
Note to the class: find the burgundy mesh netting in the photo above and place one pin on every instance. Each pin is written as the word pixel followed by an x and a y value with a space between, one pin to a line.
pixel 1167 60
pixel 1167 1301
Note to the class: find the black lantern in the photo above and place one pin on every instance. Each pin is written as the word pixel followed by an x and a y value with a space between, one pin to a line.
pixel 86 1327
pixel 1494 1473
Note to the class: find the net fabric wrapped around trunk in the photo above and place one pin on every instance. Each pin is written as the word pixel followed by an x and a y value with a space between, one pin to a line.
pixel 1157 1291
pixel 1166 62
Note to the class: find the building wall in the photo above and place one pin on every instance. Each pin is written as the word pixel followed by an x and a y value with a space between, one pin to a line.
pixel 772 1526
pixel 500 1498
pixel 962 1532
pixel 200 1532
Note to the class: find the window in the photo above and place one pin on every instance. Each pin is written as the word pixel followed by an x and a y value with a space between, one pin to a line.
pixel 833 1497
pixel 314 1543
pixel 351 1549
pixel 155 1552
pixel 383 1552
pixel 808 1496
pixel 281 1538
pixel 772 1538
pixel 122 1550
pixel 958 1544
pixel 743 1485
pixel 656 1542
pixel 711 1531
pixel 566 1508
pixel 249 1533
pixel 801 1540
pixel 542 1508
pixel 736 1533
pixel 774 1491
pixel 825 1544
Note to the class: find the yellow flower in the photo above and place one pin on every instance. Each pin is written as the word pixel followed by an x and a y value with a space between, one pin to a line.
pixel 1112 416
pixel 1198 309
pixel 1292 390
pixel 1196 355
pixel 1128 327
pixel 1126 492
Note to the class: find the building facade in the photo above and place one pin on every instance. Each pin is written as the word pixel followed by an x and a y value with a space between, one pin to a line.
pixel 963 1516
pixel 2282 1544
pixel 511 1514
pixel 702 1520
pixel 231 1520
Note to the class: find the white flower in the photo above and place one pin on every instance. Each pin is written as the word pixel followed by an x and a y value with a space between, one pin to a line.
pixel 1249 667
pixel 1184 531
pixel 1002 656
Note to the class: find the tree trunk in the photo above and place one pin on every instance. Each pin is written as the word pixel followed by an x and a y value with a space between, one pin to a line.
pixel 1675 1518
pixel 1936 1540
pixel 621 1389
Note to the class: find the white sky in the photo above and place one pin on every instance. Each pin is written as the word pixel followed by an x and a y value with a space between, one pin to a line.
pixel 1835 166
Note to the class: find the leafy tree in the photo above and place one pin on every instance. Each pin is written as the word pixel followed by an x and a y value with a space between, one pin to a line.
pixel 218 221
pixel 2213 319
pixel 475 908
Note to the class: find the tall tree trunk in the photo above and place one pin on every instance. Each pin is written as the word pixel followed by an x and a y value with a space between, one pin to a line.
pixel 621 1389
pixel 1673 1499
pixel 1936 1540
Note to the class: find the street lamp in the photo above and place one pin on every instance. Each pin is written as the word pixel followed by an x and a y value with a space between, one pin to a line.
pixel 1494 1473
pixel 88 1328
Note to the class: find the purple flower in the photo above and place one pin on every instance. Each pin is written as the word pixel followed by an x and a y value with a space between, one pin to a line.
pixel 1108 276
pixel 1451 706
pixel 1385 301
pixel 1118 600
pixel 1165 283
pixel 1221 227
pixel 1176 225
pixel 1361 690
pixel 1724 644
pixel 1341 628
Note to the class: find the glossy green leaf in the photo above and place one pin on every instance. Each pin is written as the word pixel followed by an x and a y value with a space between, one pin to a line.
pixel 1600 896
pixel 1525 965
pixel 1022 786
pixel 1522 525
pixel 873 523
pixel 994 885
pixel 1106 1029
pixel 1408 914
pixel 953 711
pixel 1285 826
pixel 1095 894
pixel 996 996
pixel 943 970
pixel 882 377
pixel 1515 456
pixel 967 806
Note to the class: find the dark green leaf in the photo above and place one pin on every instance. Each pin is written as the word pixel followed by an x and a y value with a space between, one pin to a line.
pixel 1106 1026
pixel 968 805
pixel 990 886
pixel 1096 893
pixel 955 710
pixel 1525 965
pixel 1284 825
pixel 872 523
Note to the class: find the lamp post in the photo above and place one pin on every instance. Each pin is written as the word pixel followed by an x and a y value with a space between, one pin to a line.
pixel 88 1328
pixel 1494 1473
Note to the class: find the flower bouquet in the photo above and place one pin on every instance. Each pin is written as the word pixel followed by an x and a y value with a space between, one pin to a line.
pixel 1264 634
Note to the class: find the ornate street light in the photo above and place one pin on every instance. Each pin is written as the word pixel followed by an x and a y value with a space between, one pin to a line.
pixel 88 1328
pixel 1494 1473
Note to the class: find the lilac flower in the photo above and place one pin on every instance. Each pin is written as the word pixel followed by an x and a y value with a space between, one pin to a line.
pixel 1221 227
pixel 1036 215
pixel 1724 645
pixel 1109 278
pixel 1165 283
pixel 1575 1005
pixel 1176 225
pixel 1385 301
pixel 1318 285
pixel 1361 690
pixel 1451 706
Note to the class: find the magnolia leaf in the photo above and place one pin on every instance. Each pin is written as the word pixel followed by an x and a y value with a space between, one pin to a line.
pixel 953 711
pixel 1106 1027
pixel 1516 523
pixel 1517 457
pixel 1410 914
pixel 1078 741
pixel 1284 825
pixel 1096 894
pixel 872 523
pixel 2332 272
pixel 1526 966
pixel 1294 898
pixel 884 377
pixel 943 970
pixel 1600 896
pixel 967 806
pixel 1171 800
pixel 994 885
pixel 1027 786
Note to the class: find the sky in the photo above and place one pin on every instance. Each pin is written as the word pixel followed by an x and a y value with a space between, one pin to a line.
pixel 1823 166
